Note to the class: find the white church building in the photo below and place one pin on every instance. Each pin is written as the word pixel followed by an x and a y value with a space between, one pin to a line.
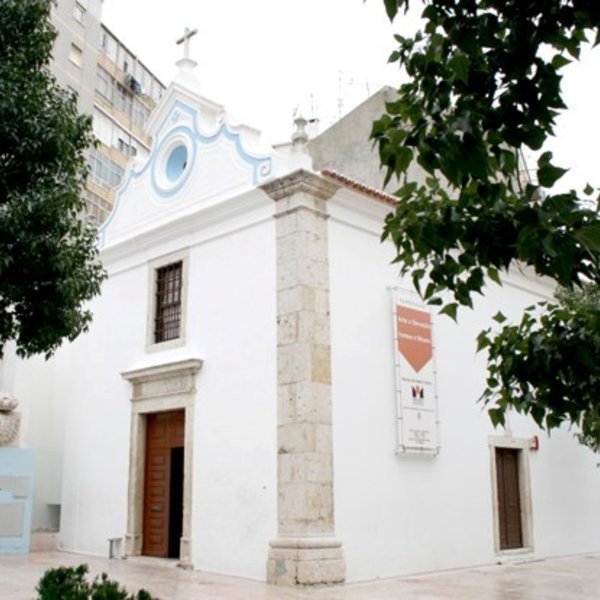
pixel 261 395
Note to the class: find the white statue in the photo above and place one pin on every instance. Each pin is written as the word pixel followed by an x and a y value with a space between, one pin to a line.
pixel 10 421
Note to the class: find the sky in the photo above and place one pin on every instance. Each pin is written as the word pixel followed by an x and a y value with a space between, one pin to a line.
pixel 263 59
pixel 266 59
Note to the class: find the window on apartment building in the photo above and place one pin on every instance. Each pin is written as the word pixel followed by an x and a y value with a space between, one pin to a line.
pixel 168 302
pixel 145 79
pixel 123 98
pixel 140 113
pixel 102 127
pixel 78 12
pixel 76 55
pixel 109 46
pixel 127 62
pixel 127 147
pixel 104 171
pixel 105 84
pixel 97 209
pixel 110 134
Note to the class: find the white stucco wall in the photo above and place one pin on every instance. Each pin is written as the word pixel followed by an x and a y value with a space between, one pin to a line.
pixel 233 319
pixel 407 514
pixel 231 325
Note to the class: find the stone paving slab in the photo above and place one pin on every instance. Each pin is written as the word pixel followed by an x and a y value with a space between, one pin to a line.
pixel 574 577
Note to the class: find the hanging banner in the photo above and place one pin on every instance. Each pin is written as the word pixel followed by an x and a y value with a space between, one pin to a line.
pixel 417 414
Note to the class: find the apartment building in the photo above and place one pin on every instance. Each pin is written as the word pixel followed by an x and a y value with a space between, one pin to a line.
pixel 112 85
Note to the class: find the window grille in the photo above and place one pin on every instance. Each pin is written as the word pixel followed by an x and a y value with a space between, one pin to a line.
pixel 167 319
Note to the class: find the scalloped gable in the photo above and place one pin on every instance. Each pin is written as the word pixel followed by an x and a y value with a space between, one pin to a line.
pixel 197 159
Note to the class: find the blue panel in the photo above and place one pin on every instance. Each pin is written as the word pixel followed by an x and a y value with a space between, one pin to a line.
pixel 16 498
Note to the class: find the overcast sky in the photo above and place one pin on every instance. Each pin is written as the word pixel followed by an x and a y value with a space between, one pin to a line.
pixel 264 58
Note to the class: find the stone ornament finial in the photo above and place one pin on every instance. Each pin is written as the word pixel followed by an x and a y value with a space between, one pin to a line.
pixel 10 421
pixel 300 136
pixel 300 157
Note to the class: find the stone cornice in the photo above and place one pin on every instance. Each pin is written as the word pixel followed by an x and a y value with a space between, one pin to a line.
pixel 300 181
pixel 170 369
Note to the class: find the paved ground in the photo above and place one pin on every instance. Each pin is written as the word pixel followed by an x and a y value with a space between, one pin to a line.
pixel 556 579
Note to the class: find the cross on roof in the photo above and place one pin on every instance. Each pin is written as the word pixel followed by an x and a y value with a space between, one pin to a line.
pixel 185 40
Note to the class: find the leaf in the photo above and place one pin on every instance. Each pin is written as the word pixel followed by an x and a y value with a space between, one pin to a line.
pixel 391 8
pixel 534 137
pixel 450 310
pixel 496 416
pixel 548 175
pixel 459 64
pixel 544 159
pixel 559 61
pixel 404 157
pixel 494 275
pixel 590 236
pixel 408 189
pixel 588 190
pixel 538 413
pixel 483 341
pixel 499 317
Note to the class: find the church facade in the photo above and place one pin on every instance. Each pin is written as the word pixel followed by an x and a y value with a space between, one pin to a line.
pixel 260 394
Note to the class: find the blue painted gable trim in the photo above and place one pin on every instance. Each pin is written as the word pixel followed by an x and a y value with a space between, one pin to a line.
pixel 261 166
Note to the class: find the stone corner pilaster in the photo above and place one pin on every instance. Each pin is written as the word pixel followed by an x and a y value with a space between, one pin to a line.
pixel 306 561
pixel 301 181
pixel 306 551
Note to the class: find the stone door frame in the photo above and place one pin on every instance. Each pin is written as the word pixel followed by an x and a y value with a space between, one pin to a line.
pixel 523 445
pixel 160 388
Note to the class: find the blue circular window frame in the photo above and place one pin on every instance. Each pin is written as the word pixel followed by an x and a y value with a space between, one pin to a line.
pixel 173 163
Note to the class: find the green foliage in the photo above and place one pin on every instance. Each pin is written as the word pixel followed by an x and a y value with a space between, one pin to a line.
pixel 484 83
pixel 48 256
pixel 64 583
pixel 70 583
pixel 546 365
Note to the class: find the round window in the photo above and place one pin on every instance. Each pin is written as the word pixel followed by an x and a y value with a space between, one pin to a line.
pixel 177 162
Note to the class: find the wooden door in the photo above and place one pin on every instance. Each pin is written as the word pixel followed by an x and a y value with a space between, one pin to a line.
pixel 163 480
pixel 509 498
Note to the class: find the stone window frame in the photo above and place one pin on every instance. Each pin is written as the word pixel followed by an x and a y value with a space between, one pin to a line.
pixel 153 266
pixel 524 446
pixel 160 388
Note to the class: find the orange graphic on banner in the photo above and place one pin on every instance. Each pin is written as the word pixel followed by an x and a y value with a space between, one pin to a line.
pixel 413 329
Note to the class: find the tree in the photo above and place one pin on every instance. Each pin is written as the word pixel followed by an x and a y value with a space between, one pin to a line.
pixel 48 256
pixel 485 82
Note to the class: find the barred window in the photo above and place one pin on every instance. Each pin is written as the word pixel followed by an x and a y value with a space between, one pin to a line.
pixel 167 317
